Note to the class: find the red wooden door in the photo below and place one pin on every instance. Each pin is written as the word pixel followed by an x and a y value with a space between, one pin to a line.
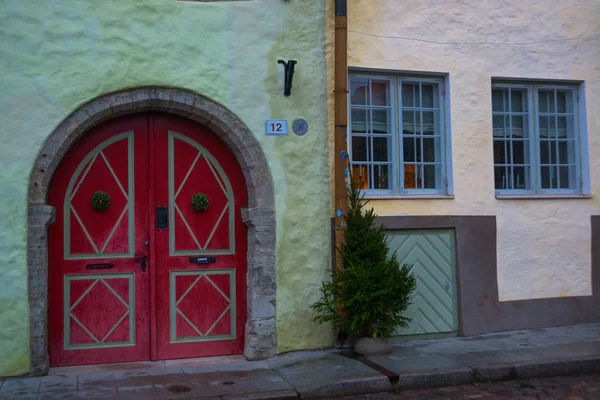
pixel 201 259
pixel 99 314
pixel 121 288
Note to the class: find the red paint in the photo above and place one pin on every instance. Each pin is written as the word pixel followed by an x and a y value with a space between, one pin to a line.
pixel 100 309
pixel 203 302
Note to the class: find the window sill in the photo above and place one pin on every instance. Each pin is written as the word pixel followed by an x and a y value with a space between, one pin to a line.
pixel 541 196
pixel 409 196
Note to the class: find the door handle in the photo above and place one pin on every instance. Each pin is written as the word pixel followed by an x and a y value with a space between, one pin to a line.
pixel 143 258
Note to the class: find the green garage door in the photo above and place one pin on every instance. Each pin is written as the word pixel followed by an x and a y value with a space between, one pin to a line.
pixel 433 308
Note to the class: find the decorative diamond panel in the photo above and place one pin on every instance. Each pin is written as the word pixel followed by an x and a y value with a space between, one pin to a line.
pixel 433 308
pixel 92 233
pixel 196 171
pixel 99 310
pixel 202 305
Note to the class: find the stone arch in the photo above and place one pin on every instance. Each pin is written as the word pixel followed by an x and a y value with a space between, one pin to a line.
pixel 260 339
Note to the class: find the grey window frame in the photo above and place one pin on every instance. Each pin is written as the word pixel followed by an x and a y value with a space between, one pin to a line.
pixel 580 145
pixel 397 179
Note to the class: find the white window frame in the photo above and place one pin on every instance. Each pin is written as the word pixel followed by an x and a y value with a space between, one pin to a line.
pixel 397 153
pixel 580 144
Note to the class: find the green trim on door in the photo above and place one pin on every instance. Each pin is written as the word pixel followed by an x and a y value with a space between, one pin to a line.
pixel 174 301
pixel 99 279
pixel 89 161
pixel 433 256
pixel 224 184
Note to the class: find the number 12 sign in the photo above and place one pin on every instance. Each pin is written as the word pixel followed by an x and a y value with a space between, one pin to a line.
pixel 277 127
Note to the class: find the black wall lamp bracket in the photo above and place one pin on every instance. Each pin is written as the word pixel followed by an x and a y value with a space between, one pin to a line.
pixel 289 75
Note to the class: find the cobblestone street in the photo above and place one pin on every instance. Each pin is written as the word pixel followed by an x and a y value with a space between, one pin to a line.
pixel 583 387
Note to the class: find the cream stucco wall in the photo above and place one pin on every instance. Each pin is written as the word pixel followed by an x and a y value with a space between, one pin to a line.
pixel 544 246
pixel 57 55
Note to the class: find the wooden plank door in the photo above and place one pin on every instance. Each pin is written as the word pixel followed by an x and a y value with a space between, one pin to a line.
pixel 199 256
pixel 431 252
pixel 99 293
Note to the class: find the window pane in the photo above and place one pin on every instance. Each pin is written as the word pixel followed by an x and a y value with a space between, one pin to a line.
pixel 360 175
pixel 566 152
pixel 381 148
pixel 409 118
pixel 381 176
pixel 546 101
pixel 380 92
pixel 543 126
pixel 520 178
pixel 410 180
pixel 564 101
pixel 519 126
pixel 518 100
pixel 359 148
pixel 431 149
pixel 359 91
pixel 499 127
pixel 430 95
pixel 432 175
pixel 545 146
pixel 520 152
pixel 549 179
pixel 381 121
pixel 408 148
pixel 498 100
pixel 567 177
pixel 500 178
pixel 410 95
pixel 360 120
pixel 565 126
pixel 500 152
pixel 552 127
pixel 419 176
pixel 431 124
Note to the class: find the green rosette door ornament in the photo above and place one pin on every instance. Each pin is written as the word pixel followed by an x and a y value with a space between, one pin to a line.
pixel 200 202
pixel 100 201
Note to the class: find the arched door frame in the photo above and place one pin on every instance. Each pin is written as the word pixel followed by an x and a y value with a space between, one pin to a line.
pixel 260 339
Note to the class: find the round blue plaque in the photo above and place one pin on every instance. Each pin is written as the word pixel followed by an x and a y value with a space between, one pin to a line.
pixel 300 127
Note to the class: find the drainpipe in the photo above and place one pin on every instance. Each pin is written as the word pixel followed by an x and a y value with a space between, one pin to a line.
pixel 341 123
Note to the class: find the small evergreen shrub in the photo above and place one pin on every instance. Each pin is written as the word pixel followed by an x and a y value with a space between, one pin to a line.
pixel 370 294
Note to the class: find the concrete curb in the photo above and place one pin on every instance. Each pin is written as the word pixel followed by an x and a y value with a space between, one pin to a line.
pixel 558 366
pixel 499 372
pixel 435 377
pixel 346 387
pixel 289 394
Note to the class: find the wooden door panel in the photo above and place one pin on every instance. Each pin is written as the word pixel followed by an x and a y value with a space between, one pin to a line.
pixel 200 308
pixel 431 252
pixel 198 232
pixel 99 297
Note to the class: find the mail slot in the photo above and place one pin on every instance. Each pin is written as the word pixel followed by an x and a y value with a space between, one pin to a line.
pixel 202 260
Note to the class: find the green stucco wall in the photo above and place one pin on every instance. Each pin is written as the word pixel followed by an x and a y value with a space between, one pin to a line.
pixel 55 55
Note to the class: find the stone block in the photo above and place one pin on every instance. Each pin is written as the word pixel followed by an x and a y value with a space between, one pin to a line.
pixel 435 378
pixel 494 372
pixel 259 217
pixel 261 306
pixel 261 196
pixel 41 214
pixel 353 386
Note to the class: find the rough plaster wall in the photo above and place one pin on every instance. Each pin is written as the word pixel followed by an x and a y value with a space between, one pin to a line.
pixel 544 246
pixel 57 55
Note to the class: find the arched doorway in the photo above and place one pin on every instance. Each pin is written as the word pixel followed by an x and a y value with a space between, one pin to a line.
pixel 147 253
pixel 170 322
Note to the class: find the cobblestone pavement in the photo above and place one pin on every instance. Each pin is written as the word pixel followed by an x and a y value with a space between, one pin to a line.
pixel 583 387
